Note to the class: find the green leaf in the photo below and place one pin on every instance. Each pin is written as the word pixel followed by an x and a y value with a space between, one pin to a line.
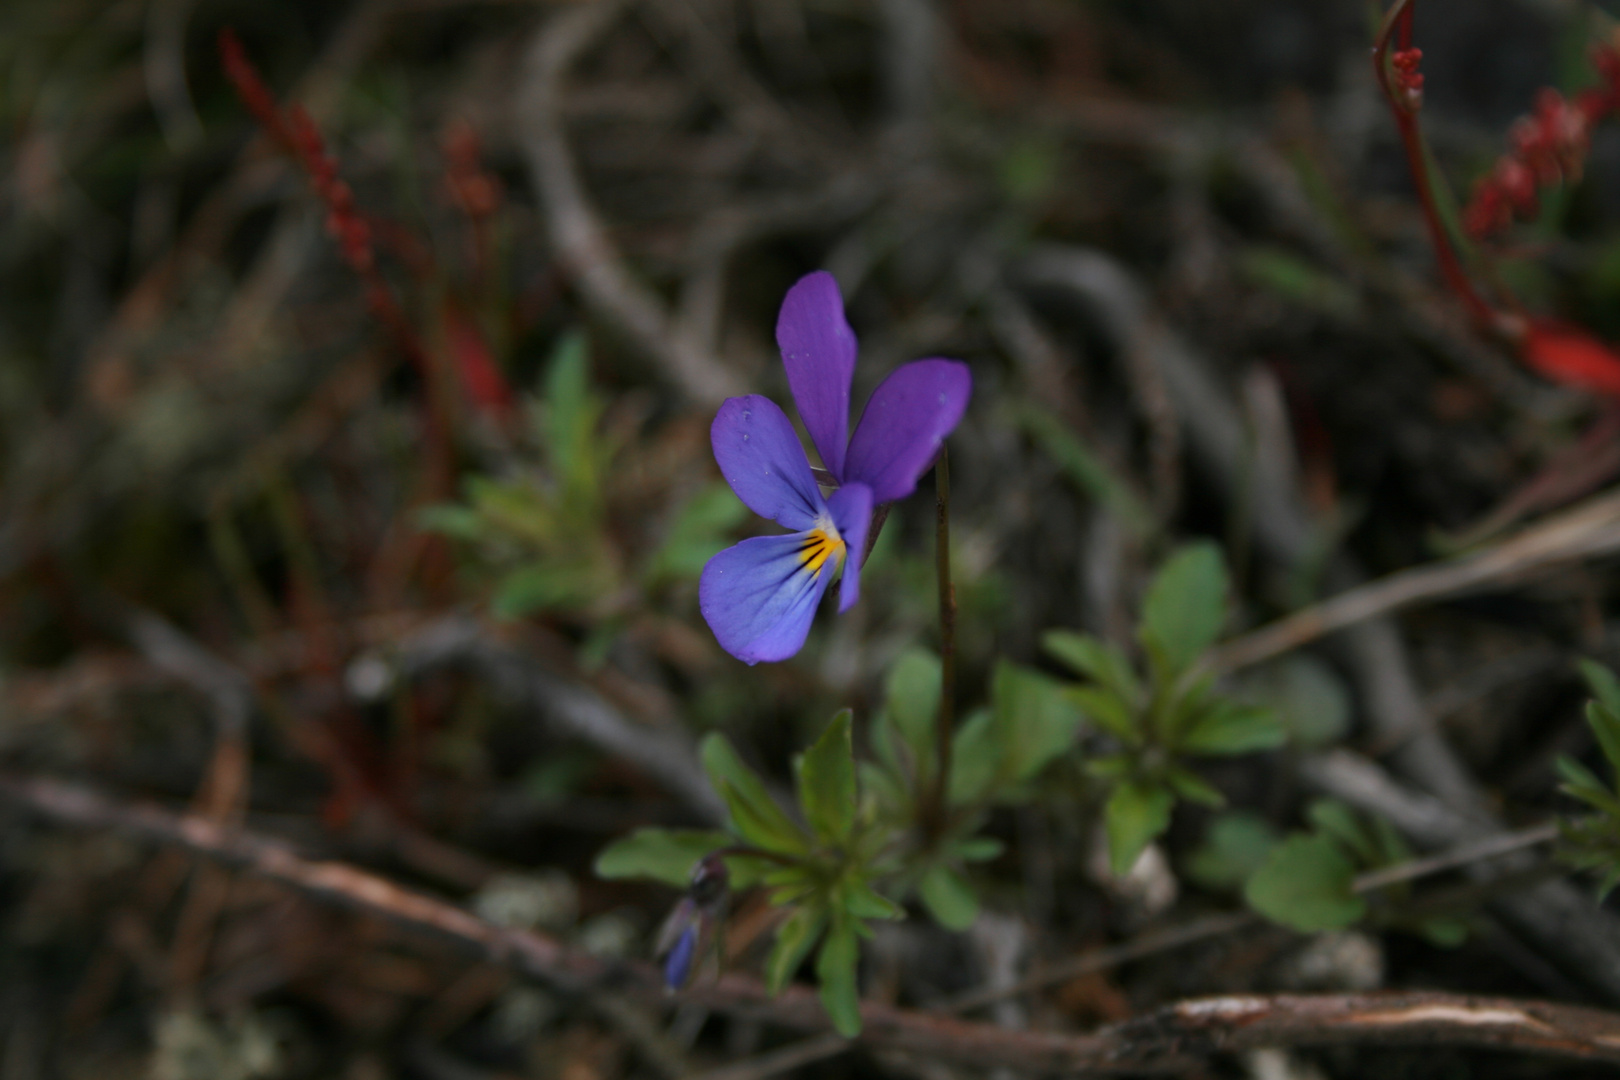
pixel 1306 884
pixel 1444 931
pixel 666 855
pixel 698 533
pixel 793 941
pixel 1103 708
pixel 826 775
pixel 861 901
pixel 1192 787
pixel 1292 278
pixel 1097 661
pixel 1036 720
pixel 1185 607
pixel 1227 728
pixel 458 522
pixel 1136 813
pixel 1110 766
pixel 978 849
pixel 1603 684
pixel 1580 783
pixel 1341 823
pixel 835 970
pixel 911 697
pixel 948 897
pixel 571 416
pixel 1605 725
pixel 976 755
pixel 1234 848
pixel 537 587
pixel 754 812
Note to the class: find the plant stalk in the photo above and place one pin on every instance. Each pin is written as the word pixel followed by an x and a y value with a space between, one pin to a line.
pixel 1397 31
pixel 945 721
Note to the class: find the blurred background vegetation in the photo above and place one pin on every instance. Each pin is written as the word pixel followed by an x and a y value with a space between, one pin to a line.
pixel 400 564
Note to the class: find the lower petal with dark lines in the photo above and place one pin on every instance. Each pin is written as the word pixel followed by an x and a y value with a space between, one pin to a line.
pixel 760 595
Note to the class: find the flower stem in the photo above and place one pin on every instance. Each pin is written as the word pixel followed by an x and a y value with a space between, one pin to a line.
pixel 945 721
pixel 1404 107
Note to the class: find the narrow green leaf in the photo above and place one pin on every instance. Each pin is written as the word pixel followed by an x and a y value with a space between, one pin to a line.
pixel 978 849
pixel 793 941
pixel 1228 728
pixel 1605 724
pixel 948 897
pixel 911 699
pixel 1105 709
pixel 1035 718
pixel 754 812
pixel 1136 813
pixel 835 970
pixel 666 855
pixel 976 759
pixel 1603 684
pixel 1100 662
pixel 571 415
pixel 826 775
pixel 1185 607
pixel 864 902
pixel 1192 787
pixel 1341 823
pixel 1444 931
pixel 1305 884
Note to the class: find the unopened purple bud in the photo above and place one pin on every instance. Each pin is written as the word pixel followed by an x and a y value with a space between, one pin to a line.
pixel 678 965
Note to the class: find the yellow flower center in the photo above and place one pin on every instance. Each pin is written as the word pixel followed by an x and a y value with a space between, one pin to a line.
pixel 822 544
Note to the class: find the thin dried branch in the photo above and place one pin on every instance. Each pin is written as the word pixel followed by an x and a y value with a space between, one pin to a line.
pixel 1590 530
pixel 1167 1039
pixel 578 233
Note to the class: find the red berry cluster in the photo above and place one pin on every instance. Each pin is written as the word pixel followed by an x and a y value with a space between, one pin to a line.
pixel 297 135
pixel 1547 146
pixel 1408 79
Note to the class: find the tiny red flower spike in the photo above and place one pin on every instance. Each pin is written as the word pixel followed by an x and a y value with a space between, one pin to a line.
pixel 1547 147
pixel 1407 76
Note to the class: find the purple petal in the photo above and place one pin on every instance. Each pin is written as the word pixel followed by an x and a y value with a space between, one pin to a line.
pixel 759 596
pixel 851 509
pixel 818 350
pixel 907 419
pixel 762 459
pixel 678 966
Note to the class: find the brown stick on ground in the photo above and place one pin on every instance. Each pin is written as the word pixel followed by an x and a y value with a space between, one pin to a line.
pixel 1168 1038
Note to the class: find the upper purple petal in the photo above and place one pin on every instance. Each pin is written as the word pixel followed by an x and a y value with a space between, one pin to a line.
pixel 851 509
pixel 818 350
pixel 907 419
pixel 758 597
pixel 762 459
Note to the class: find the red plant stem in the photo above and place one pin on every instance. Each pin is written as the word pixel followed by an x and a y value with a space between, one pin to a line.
pixel 295 133
pixel 1404 106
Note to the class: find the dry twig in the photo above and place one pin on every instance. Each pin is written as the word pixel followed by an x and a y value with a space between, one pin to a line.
pixel 1169 1038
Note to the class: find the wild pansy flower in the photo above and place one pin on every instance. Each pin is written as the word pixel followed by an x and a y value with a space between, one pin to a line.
pixel 760 595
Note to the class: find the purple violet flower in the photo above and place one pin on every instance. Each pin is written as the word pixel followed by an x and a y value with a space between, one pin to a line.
pixel 759 596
